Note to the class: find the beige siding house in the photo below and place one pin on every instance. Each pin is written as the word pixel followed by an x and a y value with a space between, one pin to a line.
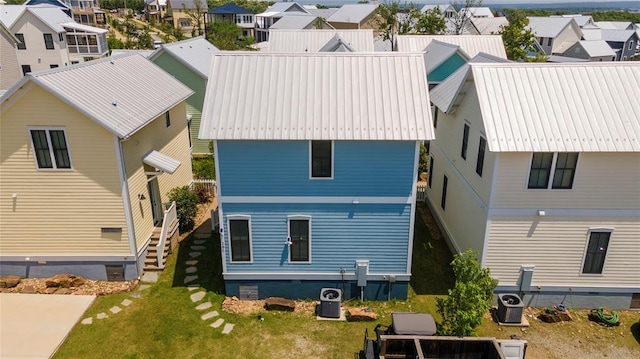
pixel 84 174
pixel 542 177
pixel 9 68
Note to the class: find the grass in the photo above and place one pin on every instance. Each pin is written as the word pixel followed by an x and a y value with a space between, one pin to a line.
pixel 164 322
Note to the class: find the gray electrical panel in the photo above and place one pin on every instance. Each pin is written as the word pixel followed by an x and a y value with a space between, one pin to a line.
pixel 526 275
pixel 362 267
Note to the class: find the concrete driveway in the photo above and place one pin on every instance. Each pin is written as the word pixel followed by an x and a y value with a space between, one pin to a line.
pixel 34 325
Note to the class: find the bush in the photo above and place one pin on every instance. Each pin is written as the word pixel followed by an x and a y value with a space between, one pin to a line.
pixel 462 311
pixel 186 206
pixel 203 167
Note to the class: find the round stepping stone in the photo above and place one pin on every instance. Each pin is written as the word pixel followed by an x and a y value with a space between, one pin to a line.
pixel 191 269
pixel 227 328
pixel 126 302
pixel 143 286
pixel 198 248
pixel 191 262
pixel 196 297
pixel 209 315
pixel 87 320
pixel 115 310
pixel 102 315
pixel 204 306
pixel 199 241
pixel 217 323
pixel 195 254
pixel 190 278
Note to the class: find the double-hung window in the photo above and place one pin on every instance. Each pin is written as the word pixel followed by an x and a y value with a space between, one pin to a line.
pixel 48 41
pixel 596 252
pixel 321 159
pixel 50 148
pixel 299 239
pixel 563 164
pixel 21 44
pixel 240 238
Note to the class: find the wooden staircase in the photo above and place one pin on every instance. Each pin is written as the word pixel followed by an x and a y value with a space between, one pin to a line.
pixel 151 261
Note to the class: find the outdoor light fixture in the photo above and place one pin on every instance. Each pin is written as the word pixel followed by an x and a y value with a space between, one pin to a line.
pixel 541 213
pixel 141 197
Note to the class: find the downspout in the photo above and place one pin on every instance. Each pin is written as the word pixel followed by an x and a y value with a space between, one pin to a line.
pixel 126 200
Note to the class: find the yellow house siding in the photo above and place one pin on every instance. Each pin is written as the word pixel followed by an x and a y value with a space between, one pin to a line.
pixel 172 141
pixel 602 181
pixel 10 71
pixel 58 212
pixel 556 246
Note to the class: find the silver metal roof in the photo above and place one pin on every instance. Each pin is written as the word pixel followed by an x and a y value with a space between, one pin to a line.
pixel 470 44
pixel 549 26
pixel 614 25
pixel 161 161
pixel 597 48
pixel 352 13
pixel 194 53
pixel 578 107
pixel 317 96
pixel 314 40
pixel 489 25
pixel 591 34
pixel 617 35
pixel 293 21
pixel 122 93
pixel 437 52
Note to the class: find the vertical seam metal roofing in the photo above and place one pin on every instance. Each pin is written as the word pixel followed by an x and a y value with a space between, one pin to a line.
pixel 314 40
pixel 470 44
pixel 122 94
pixel 194 53
pixel 317 96
pixel 586 107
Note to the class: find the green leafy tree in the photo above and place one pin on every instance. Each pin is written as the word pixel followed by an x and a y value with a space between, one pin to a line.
pixel 387 21
pixel 227 36
pixel 423 161
pixel 431 22
pixel 463 309
pixel 196 15
pixel 407 22
pixel 114 43
pixel 518 39
pixel 186 206
pixel 462 19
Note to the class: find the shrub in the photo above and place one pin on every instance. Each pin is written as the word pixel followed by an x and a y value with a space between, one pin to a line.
pixel 463 309
pixel 203 167
pixel 186 206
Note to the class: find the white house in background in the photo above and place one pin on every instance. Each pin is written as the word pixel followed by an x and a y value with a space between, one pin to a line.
pixel 49 38
pixel 275 12
pixel 299 22
pixel 583 21
pixel 448 11
pixel 536 166
pixel 487 25
pixel 614 25
pixel 320 40
pixel 470 44
pixel 354 16
pixel 594 50
pixel 10 72
pixel 555 34
pixel 476 12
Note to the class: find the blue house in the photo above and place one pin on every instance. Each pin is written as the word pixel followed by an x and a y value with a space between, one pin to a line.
pixel 316 159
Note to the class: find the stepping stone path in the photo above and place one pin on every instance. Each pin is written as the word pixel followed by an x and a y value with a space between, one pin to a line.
pixel 191 262
pixel 204 306
pixel 126 302
pixel 199 241
pixel 227 328
pixel 143 286
pixel 192 287
pixel 195 254
pixel 196 297
pixel 198 248
pixel 102 316
pixel 115 310
pixel 87 320
pixel 191 269
pixel 136 295
pixel 149 277
pixel 209 315
pixel 190 278
pixel 217 323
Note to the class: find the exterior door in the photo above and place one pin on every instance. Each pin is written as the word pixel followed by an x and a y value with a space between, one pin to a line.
pixel 156 202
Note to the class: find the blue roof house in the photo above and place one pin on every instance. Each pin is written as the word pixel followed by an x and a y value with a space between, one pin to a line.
pixel 316 160
pixel 233 13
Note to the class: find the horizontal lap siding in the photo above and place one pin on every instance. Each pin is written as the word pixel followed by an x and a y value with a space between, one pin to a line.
pixel 58 212
pixel 602 181
pixel 340 234
pixel 556 247
pixel 281 168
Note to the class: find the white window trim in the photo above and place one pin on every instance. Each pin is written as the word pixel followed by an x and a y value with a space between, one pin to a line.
pixel 289 219
pixel 51 154
pixel 228 232
pixel 551 174
pixel 311 161
pixel 586 247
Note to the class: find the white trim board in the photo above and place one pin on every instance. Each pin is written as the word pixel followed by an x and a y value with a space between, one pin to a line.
pixel 403 277
pixel 315 199
pixel 565 212
pixel 34 258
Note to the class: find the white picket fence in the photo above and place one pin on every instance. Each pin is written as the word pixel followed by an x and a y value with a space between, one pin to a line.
pixel 421 192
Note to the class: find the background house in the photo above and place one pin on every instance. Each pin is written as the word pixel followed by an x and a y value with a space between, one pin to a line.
pixel 156 10
pixel 10 71
pixel 233 13
pixel 594 50
pixel 189 61
pixel 354 16
pixel 89 168
pixel 180 14
pixel 555 34
pixel 274 13
pixel 623 42
pixel 317 40
pixel 315 130
pixel 521 171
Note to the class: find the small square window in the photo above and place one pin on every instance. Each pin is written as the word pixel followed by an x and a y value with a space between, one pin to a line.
pixel 167 118
pixel 21 44
pixel 26 69
pixel 321 159
pixel 53 66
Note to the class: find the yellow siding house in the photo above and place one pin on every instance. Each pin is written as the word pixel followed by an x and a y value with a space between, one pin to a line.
pixel 88 154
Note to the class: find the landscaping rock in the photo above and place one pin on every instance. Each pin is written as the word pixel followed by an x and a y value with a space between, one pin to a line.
pixel 204 306
pixel 277 303
pixel 51 290
pixel 28 289
pixel 63 291
pixel 209 315
pixel 361 315
pixel 196 297
pixel 102 316
pixel 86 321
pixel 9 281
pixel 217 323
pixel 64 280
pixel 227 328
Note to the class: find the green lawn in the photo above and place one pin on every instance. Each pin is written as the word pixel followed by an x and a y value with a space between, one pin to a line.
pixel 165 324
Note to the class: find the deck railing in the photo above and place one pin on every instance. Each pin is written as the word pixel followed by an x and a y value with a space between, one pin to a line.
pixel 170 215
pixel 421 192
pixel 209 185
